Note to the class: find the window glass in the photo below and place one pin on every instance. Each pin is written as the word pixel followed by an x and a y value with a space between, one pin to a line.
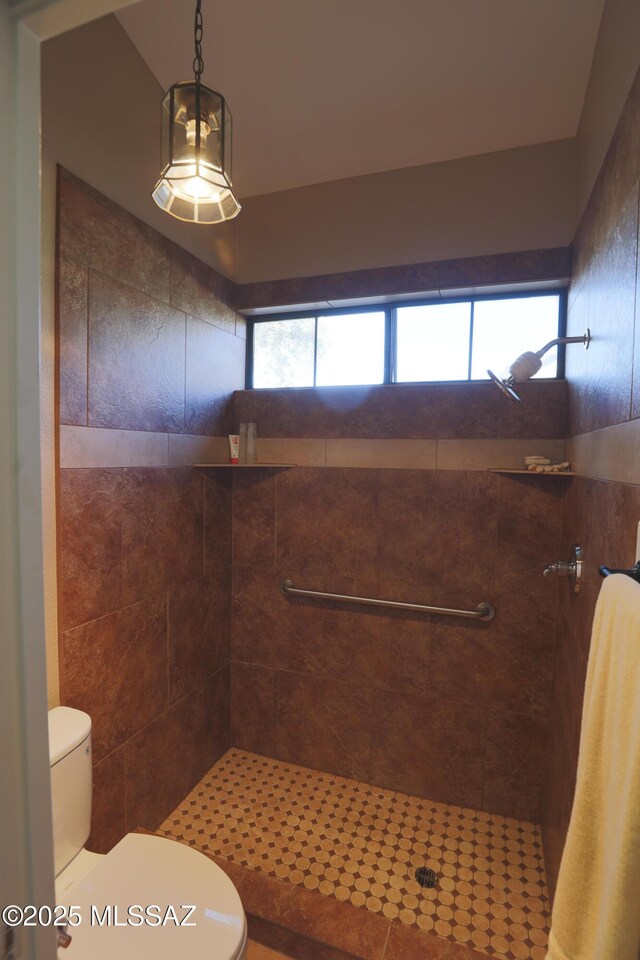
pixel 433 342
pixel 283 353
pixel 447 340
pixel 350 349
pixel 503 329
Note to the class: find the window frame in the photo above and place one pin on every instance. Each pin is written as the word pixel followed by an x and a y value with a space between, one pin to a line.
pixel 389 309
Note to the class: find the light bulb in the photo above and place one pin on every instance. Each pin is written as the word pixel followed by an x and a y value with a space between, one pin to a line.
pixel 199 189
pixel 205 130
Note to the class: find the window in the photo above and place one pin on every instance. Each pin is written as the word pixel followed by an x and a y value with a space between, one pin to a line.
pixel 283 353
pixel 350 349
pixel 503 329
pixel 435 341
pixel 432 342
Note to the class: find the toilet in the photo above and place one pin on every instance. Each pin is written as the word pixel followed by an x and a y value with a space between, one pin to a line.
pixel 135 901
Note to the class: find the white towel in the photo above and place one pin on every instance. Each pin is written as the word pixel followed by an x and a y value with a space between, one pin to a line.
pixel 596 912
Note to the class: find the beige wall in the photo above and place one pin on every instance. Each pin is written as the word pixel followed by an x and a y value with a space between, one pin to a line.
pixel 103 124
pixel 101 120
pixel 519 199
pixel 615 63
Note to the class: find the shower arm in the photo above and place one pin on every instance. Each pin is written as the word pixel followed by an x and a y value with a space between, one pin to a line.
pixel 585 338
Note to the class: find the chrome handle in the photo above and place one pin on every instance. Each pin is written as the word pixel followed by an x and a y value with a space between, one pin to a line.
pixel 571 568
pixel 64 938
pixel 561 568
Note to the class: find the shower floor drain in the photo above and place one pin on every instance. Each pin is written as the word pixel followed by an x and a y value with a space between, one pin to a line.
pixel 426 877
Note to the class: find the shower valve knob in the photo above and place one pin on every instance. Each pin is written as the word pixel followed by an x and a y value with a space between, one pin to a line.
pixel 571 568
pixel 561 568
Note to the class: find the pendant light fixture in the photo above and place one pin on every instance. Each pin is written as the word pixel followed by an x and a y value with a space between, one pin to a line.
pixel 195 184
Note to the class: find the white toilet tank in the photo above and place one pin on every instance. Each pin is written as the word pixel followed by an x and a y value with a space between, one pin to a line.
pixel 71 772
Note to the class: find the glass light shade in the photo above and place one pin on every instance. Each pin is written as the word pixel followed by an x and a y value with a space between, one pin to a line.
pixel 195 184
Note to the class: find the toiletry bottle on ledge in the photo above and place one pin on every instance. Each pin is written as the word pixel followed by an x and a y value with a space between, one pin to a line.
pixel 242 455
pixel 252 443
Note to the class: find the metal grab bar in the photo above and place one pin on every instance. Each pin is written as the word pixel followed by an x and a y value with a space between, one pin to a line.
pixel 484 611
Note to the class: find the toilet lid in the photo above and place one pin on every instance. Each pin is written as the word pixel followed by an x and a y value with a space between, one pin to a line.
pixel 144 871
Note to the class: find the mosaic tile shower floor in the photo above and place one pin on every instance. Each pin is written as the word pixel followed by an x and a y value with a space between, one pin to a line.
pixel 362 844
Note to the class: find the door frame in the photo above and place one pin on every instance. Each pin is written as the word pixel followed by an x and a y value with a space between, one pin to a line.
pixel 26 848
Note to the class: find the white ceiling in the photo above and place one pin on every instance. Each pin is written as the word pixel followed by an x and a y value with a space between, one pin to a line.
pixel 326 89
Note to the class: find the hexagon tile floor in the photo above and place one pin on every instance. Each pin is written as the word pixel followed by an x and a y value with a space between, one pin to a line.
pixel 362 844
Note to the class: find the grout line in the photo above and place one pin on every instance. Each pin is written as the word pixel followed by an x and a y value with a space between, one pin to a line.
pixel 636 318
pixel 386 943
pixel 275 519
pixel 167 645
pixel 88 319
pixel 125 779
pixel 121 513
pixel 184 368
pixel 204 526
pixel 485 754
pixel 111 613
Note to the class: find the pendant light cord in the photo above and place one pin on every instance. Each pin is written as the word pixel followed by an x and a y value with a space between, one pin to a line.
pixel 198 62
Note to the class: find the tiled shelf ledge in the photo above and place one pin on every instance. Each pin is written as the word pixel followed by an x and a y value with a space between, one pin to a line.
pixel 246 466
pixel 534 473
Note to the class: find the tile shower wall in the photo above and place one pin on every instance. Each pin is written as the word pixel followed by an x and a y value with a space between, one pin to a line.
pixel 440 278
pixel 453 710
pixel 440 411
pixel 146 343
pixel 604 383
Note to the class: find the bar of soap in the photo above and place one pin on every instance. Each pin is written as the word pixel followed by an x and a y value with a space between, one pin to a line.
pixel 549 467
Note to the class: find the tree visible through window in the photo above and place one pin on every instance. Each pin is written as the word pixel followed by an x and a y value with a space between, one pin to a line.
pixel 283 353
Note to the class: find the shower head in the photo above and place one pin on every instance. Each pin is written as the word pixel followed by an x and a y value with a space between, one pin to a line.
pixel 528 364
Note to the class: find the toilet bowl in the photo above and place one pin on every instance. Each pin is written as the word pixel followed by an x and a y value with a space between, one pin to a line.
pixel 148 896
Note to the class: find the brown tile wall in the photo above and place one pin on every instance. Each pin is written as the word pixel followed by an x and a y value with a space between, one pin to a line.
pixel 604 389
pixel 147 342
pixel 449 709
pixel 527 266
pixel 603 294
pixel 424 411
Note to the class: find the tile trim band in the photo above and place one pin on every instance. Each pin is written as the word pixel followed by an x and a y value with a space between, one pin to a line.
pixel 88 447
pixel 611 453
